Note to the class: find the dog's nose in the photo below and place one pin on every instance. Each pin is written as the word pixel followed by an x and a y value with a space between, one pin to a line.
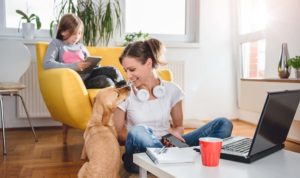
pixel 125 87
pixel 121 84
pixel 128 87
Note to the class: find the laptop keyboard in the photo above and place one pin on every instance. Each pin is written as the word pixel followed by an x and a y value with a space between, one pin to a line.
pixel 240 146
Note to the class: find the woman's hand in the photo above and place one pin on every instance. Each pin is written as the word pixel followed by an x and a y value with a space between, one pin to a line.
pixel 83 65
pixel 177 133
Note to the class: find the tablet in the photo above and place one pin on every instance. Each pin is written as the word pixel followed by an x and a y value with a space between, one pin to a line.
pixel 94 60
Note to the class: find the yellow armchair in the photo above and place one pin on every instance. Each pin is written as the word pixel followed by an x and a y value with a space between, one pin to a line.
pixel 65 94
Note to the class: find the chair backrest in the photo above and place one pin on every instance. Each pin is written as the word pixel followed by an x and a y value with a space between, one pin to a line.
pixel 41 50
pixel 15 60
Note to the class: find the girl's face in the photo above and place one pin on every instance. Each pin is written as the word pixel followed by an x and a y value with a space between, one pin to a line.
pixel 137 72
pixel 74 38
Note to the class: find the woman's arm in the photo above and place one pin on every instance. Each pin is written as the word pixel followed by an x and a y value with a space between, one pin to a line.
pixel 119 119
pixel 177 119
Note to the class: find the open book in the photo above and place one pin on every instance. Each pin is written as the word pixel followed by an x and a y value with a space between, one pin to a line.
pixel 172 155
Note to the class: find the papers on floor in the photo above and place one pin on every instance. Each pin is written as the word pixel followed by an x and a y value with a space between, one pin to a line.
pixel 172 155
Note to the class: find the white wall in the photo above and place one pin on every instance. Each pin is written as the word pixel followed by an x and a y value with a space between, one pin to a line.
pixel 209 73
pixel 284 26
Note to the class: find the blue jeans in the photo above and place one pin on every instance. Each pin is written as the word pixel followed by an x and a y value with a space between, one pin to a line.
pixel 140 136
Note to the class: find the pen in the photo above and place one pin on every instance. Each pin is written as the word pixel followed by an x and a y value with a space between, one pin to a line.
pixel 162 150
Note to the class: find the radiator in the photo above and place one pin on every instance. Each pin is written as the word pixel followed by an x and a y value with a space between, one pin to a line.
pixel 177 68
pixel 32 95
pixel 35 103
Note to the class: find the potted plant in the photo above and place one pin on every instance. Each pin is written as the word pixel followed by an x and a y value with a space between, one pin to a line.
pixel 135 36
pixel 110 20
pixel 295 63
pixel 101 20
pixel 28 27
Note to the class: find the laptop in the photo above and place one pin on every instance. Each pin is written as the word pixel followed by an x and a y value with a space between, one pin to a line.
pixel 271 132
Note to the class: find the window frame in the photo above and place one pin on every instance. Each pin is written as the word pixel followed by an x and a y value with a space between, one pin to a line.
pixel 13 32
pixel 244 38
pixel 190 39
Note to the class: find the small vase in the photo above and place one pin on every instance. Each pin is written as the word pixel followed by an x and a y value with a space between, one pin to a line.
pixel 284 70
pixel 28 30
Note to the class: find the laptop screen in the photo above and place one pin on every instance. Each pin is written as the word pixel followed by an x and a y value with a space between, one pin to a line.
pixel 275 120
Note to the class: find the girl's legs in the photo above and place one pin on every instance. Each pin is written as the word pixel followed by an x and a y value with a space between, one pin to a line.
pixel 220 128
pixel 105 76
pixel 139 137
pixel 100 81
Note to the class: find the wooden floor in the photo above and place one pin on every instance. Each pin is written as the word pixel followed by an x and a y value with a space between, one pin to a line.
pixel 50 158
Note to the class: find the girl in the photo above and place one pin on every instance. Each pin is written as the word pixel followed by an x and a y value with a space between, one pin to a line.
pixel 154 107
pixel 67 52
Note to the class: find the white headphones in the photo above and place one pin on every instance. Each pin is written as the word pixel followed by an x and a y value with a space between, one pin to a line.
pixel 143 94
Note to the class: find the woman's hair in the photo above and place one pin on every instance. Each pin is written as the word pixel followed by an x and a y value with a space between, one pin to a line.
pixel 68 23
pixel 142 50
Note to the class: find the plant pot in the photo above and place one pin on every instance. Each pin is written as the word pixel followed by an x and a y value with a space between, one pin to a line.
pixel 297 73
pixel 28 30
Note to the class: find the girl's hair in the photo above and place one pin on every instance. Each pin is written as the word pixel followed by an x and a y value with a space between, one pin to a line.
pixel 68 23
pixel 142 50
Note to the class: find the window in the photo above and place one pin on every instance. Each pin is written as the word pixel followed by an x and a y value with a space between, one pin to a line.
pixel 179 24
pixel 252 22
pixel 10 19
pixel 253 59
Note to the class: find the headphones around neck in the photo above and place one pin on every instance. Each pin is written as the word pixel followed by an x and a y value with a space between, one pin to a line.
pixel 158 92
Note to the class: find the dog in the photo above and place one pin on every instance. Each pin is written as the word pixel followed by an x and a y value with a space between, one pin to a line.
pixel 100 138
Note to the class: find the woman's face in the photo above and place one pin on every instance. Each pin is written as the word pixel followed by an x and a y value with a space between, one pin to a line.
pixel 137 72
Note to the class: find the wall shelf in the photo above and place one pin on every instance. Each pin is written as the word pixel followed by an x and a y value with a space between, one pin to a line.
pixel 290 80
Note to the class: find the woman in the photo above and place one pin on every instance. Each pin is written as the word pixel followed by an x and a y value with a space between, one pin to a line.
pixel 154 106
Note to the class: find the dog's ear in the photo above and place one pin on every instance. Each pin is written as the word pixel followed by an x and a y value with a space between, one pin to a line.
pixel 97 114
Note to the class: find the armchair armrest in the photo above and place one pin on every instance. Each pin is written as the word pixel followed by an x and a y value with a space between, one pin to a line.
pixel 165 74
pixel 66 96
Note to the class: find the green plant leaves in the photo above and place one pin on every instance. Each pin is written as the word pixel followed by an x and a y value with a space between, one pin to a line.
pixel 110 20
pixel 100 18
pixel 135 36
pixel 29 19
pixel 24 15
pixel 294 62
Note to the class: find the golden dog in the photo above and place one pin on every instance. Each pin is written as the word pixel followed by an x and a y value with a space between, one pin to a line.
pixel 100 138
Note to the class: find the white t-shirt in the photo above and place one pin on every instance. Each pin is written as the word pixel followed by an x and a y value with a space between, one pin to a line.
pixel 153 113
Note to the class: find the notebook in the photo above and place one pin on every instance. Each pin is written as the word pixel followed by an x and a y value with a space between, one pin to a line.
pixel 171 155
pixel 271 132
pixel 94 60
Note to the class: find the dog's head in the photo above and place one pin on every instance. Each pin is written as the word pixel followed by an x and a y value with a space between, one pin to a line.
pixel 106 101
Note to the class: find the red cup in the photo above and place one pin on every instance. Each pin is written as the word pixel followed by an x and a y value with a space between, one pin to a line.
pixel 210 151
